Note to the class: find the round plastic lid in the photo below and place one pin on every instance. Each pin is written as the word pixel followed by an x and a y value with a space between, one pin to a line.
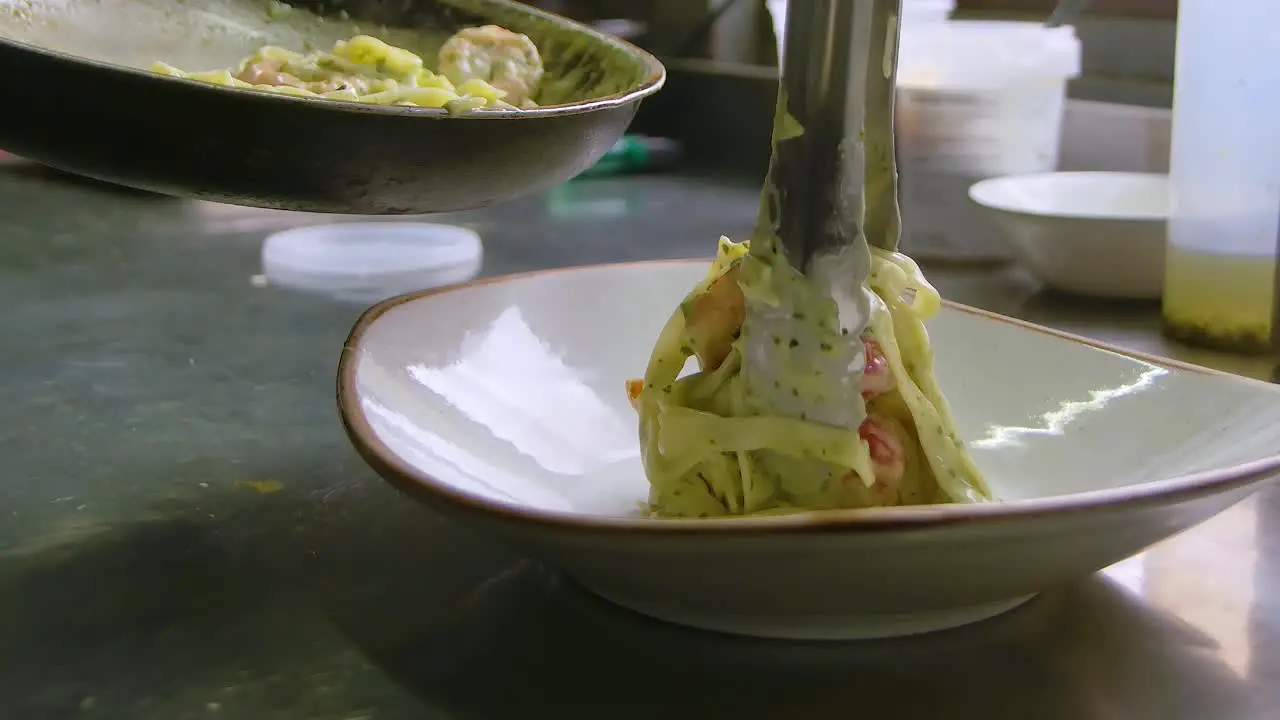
pixel 371 261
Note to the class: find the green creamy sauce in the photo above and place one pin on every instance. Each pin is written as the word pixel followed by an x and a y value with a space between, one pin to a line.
pixel 807 321
pixel 277 10
pixel 579 69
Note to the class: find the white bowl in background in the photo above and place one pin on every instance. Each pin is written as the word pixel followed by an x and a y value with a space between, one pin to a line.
pixel 1089 233
pixel 500 404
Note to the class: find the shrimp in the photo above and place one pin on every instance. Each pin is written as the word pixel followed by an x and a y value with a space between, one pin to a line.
pixel 713 322
pixel 267 72
pixel 506 60
pixel 888 460
pixel 877 379
pixel 316 79
pixel 715 319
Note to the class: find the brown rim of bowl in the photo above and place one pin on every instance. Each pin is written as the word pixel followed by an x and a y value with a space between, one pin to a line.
pixel 423 487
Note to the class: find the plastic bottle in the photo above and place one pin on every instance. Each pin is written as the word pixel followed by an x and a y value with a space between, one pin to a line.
pixel 1221 267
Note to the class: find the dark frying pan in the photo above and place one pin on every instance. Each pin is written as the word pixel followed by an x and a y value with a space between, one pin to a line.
pixel 75 94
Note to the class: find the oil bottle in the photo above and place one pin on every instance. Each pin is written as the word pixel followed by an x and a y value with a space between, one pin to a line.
pixel 1222 266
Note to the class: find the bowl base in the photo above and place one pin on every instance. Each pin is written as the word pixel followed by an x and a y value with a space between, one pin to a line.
pixel 818 627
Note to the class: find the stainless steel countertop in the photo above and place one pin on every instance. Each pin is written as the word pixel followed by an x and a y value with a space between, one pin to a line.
pixel 149 382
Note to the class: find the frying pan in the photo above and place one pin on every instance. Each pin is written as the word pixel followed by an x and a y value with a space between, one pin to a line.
pixel 76 95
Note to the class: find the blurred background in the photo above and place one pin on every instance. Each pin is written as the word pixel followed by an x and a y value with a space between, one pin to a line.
pixel 985 91
pixel 1127 44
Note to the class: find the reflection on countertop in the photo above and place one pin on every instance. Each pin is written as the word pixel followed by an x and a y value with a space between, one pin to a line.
pixel 152 382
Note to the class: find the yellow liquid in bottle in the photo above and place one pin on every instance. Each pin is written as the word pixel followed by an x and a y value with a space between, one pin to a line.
pixel 1227 302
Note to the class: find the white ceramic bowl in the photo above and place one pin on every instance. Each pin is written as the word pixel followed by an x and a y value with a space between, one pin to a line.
pixel 1089 233
pixel 501 405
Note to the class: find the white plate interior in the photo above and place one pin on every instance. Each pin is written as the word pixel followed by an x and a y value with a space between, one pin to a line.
pixel 1085 195
pixel 513 391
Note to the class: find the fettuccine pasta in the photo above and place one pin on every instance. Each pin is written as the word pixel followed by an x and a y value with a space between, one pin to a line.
pixel 706 457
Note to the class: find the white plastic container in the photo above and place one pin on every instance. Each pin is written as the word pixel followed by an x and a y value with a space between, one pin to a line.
pixel 975 100
pixel 1221 287
pixel 914 12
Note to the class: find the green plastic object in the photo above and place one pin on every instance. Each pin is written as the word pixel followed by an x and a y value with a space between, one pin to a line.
pixel 635 154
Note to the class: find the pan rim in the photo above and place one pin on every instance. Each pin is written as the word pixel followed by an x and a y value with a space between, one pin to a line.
pixel 654 79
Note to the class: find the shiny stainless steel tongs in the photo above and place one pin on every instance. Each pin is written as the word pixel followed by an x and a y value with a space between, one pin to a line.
pixel 831 193
pixel 837 181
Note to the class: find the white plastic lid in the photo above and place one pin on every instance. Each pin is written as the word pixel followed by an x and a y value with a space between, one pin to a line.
pixel 971 54
pixel 371 261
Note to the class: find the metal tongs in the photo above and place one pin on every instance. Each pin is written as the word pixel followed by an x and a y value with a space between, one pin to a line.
pixel 837 182
pixel 831 193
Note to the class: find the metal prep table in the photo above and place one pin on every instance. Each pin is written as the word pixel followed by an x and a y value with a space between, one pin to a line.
pixel 187 534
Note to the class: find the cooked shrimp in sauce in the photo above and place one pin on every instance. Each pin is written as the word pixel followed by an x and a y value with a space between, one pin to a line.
pixel 480 67
pixel 506 60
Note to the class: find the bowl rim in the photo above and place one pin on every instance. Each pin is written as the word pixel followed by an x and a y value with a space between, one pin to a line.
pixel 423 487
pixel 980 193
